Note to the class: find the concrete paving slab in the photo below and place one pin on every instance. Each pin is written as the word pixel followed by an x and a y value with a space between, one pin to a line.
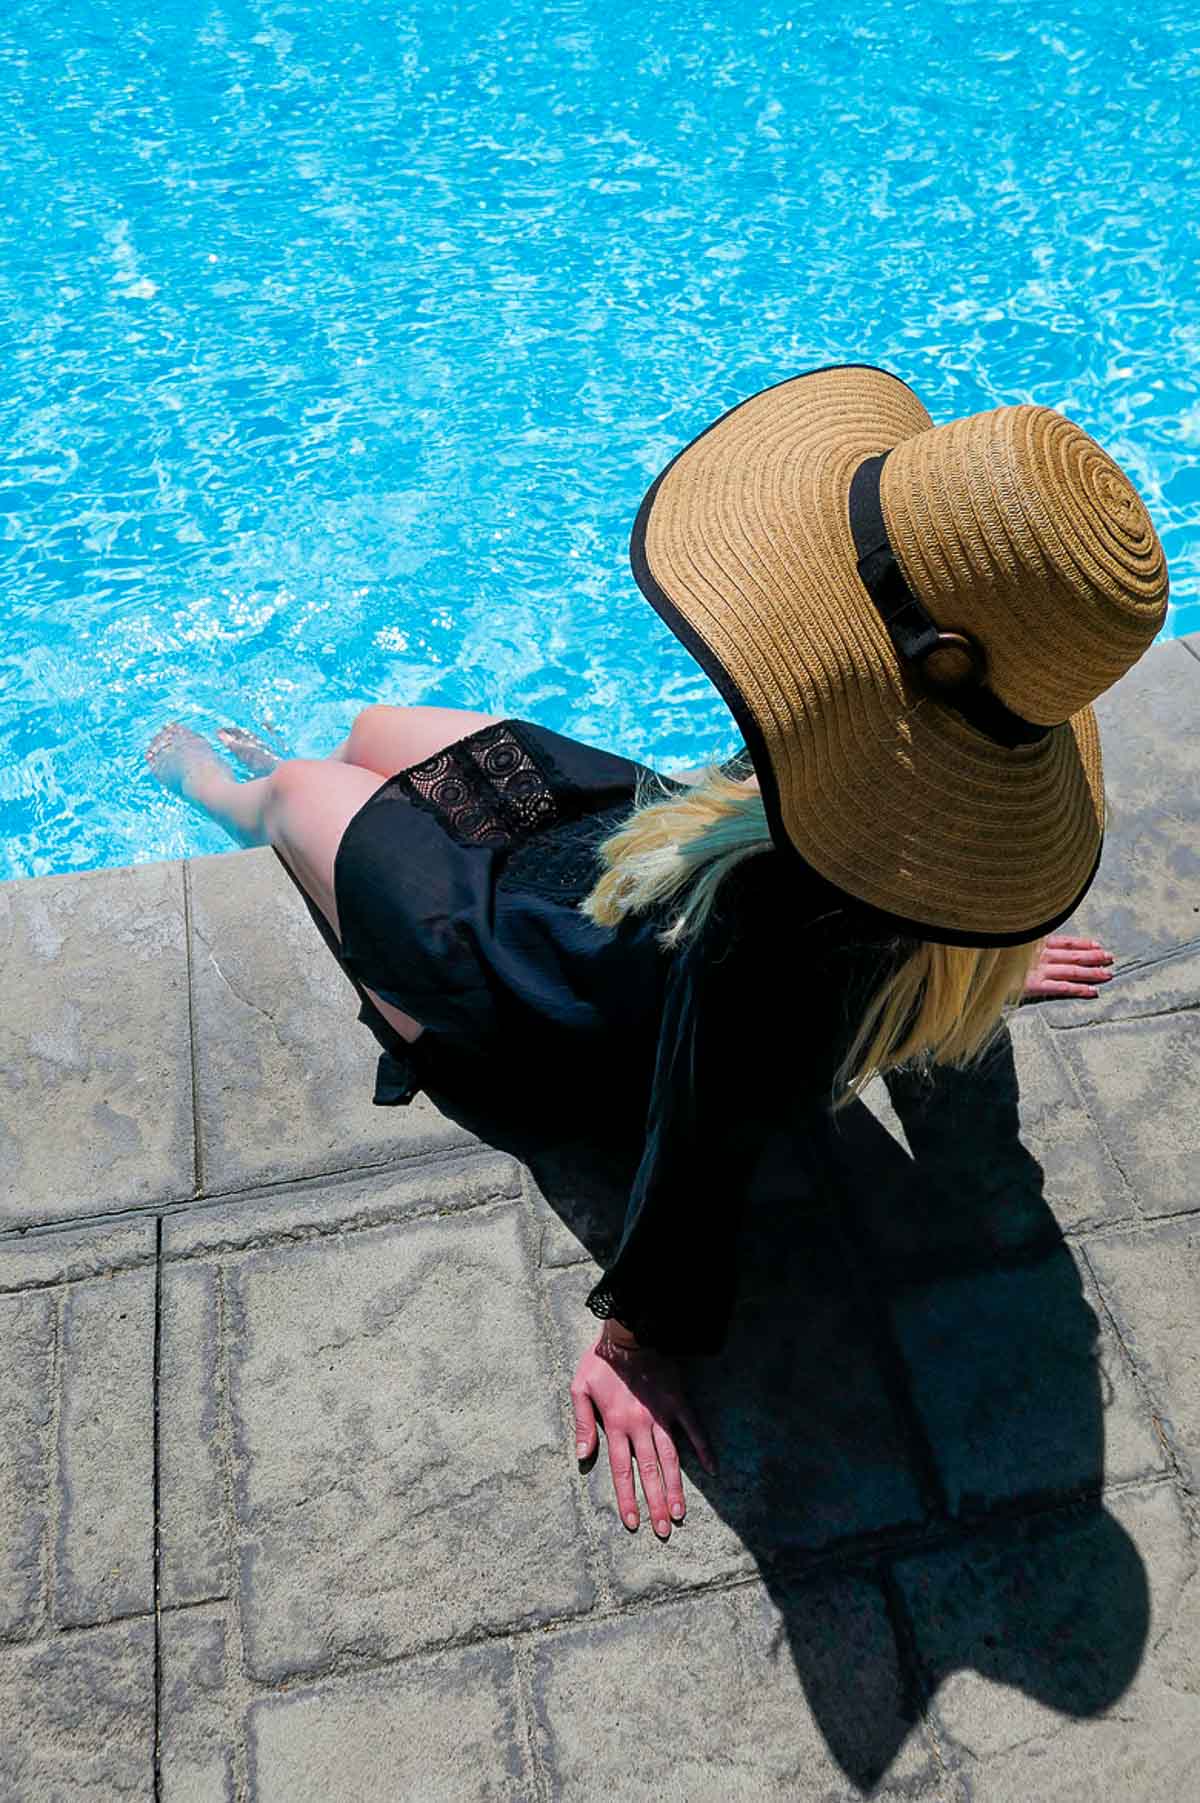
pixel 54 1255
pixel 739 1694
pixel 403 1466
pixel 27 1334
pixel 805 1462
pixel 284 1070
pixel 95 1055
pixel 308 1209
pixel 104 1562
pixel 430 1728
pixel 1004 1157
pixel 193 1530
pixel 1144 898
pixel 1151 1282
pixel 78 1714
pixel 201 1716
pixel 1061 1657
pixel 1023 1389
pixel 1138 1078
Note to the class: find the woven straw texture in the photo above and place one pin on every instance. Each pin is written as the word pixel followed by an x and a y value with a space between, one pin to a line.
pixel 1012 525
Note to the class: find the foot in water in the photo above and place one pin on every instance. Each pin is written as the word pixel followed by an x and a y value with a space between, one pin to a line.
pixel 249 750
pixel 186 763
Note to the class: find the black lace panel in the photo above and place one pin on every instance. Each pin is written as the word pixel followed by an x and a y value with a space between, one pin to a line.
pixel 563 866
pixel 487 789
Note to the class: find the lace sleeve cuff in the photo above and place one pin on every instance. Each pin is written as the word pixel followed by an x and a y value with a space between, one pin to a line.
pixel 658 1329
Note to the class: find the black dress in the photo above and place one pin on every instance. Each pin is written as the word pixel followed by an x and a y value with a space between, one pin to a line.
pixel 457 884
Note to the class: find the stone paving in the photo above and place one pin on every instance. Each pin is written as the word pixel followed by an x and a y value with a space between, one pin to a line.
pixel 288 1502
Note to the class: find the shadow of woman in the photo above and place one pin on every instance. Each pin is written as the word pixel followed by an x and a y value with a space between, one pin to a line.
pixel 910 1409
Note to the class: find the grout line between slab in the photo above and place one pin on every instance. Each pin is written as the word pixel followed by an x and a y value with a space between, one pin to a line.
pixel 166 1208
pixel 49 1561
pixel 916 1700
pixel 1177 1475
pixel 237 1682
pixel 861 1557
pixel 156 1393
pixel 527 1718
pixel 197 1155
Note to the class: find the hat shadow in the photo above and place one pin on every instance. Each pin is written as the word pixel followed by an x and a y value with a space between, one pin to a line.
pixel 911 1383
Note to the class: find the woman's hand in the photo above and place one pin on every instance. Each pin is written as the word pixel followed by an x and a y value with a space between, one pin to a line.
pixel 1068 967
pixel 638 1395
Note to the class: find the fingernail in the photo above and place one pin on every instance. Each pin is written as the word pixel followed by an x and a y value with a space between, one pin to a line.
pixel 580 1448
pixel 661 1527
pixel 631 1521
pixel 677 1511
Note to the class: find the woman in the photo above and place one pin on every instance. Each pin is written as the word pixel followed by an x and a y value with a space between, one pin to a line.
pixel 909 624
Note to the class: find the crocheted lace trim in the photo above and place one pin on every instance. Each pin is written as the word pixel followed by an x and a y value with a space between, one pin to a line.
pixel 487 788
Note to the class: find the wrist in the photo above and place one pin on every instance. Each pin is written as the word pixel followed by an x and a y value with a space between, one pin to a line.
pixel 615 1333
pixel 616 1344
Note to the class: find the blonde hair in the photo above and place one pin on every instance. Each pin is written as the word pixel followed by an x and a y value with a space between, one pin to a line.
pixel 941 1004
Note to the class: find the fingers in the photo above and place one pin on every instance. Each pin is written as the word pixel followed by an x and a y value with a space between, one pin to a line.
pixel 585 1423
pixel 620 1461
pixel 668 1460
pixel 652 1484
pixel 1081 954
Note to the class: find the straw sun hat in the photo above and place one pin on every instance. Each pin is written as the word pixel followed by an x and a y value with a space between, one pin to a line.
pixel 909 623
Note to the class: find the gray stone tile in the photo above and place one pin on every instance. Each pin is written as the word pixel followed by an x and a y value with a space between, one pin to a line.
pixel 200 1714
pixel 579 1195
pixel 444 1728
pixel 26 1349
pixel 65 1255
pixel 1151 1282
pixel 748 1693
pixel 1138 1078
pixel 359 1199
pixel 78 1714
pixel 284 1071
pixel 105 1557
pixel 1143 900
pixel 193 1535
pixel 1003 1157
pixel 1023 1392
pixel 807 1439
pixel 1062 1655
pixel 403 1462
pixel 95 1060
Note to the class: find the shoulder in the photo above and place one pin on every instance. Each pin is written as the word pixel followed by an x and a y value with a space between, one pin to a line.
pixel 773 914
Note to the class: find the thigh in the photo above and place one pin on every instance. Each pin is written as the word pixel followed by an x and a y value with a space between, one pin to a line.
pixel 311 803
pixel 387 739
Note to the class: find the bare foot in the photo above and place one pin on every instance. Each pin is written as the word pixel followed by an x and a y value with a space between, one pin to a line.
pixel 181 760
pixel 249 750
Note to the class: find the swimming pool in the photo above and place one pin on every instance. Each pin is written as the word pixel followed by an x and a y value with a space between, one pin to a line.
pixel 344 338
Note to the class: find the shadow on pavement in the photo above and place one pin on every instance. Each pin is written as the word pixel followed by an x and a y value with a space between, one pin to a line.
pixel 912 1379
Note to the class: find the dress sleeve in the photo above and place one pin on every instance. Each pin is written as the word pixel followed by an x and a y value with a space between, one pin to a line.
pixel 755 1022
pixel 673 1281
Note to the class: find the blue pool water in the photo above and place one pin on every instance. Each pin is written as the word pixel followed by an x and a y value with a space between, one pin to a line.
pixel 342 339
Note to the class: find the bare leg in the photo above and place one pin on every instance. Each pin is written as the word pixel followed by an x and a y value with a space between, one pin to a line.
pixel 302 809
pixel 387 739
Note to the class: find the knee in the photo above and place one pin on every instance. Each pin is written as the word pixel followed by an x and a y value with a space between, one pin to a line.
pixel 287 787
pixel 371 718
pixel 374 713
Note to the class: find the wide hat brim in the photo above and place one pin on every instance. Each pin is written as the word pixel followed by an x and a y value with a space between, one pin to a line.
pixel 744 546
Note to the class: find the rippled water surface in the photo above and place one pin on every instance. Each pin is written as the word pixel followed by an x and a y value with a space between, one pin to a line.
pixel 342 339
